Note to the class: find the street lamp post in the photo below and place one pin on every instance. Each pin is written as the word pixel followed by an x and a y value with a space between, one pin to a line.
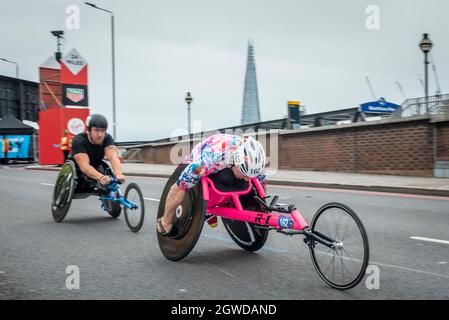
pixel 425 45
pixel 17 66
pixel 113 64
pixel 189 100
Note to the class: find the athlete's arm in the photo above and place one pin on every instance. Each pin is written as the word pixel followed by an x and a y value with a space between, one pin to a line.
pixel 82 159
pixel 111 154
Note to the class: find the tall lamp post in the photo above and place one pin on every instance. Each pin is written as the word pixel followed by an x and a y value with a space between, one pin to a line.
pixel 17 66
pixel 113 65
pixel 189 100
pixel 425 45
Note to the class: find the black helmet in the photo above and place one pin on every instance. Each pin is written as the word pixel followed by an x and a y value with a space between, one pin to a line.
pixel 96 120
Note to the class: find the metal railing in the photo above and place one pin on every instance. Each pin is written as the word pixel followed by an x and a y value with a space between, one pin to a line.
pixel 436 107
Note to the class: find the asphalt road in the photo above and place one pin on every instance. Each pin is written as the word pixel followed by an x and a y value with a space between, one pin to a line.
pixel 115 263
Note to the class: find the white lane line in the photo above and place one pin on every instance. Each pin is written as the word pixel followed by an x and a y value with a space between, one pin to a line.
pixel 52 185
pixel 442 262
pixel 362 192
pixel 409 269
pixel 430 240
pixel 47 184
pixel 390 266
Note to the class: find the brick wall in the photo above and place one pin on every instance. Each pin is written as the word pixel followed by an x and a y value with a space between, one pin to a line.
pixel 442 143
pixel 403 147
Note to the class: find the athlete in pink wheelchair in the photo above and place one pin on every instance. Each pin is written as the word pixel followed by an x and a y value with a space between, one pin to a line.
pixel 224 176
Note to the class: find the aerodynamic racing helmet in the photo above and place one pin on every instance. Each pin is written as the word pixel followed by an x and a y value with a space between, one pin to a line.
pixel 96 120
pixel 250 157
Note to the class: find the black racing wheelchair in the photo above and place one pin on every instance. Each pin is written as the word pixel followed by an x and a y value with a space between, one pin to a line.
pixel 72 184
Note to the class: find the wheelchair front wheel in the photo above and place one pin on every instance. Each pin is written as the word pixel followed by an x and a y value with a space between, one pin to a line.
pixel 134 216
pixel 344 266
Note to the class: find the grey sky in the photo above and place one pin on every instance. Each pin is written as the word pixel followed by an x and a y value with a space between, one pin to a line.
pixel 317 52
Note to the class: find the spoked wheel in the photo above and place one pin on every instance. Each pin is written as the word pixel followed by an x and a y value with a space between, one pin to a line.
pixel 134 216
pixel 345 266
pixel 112 207
pixel 63 191
pixel 187 223
pixel 247 236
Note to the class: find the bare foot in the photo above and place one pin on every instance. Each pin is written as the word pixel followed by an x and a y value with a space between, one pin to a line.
pixel 162 226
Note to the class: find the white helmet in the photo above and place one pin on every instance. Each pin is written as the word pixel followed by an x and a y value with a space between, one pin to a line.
pixel 250 158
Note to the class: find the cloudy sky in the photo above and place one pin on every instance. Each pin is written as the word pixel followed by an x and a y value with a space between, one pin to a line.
pixel 318 52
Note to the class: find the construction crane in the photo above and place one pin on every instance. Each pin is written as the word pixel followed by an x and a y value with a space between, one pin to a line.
pixel 438 92
pixel 401 90
pixel 421 81
pixel 371 88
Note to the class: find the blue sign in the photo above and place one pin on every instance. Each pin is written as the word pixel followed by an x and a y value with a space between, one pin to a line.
pixel 380 106
pixel 15 147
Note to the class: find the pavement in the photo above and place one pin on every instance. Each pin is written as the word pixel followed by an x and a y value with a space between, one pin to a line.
pixel 408 239
pixel 316 179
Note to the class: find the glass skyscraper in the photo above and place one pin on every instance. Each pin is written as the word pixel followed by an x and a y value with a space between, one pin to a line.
pixel 250 108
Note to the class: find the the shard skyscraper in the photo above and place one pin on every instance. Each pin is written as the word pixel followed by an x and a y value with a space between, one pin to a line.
pixel 250 108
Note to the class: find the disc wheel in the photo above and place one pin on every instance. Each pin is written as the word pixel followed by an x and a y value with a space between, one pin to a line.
pixel 187 223
pixel 63 191
pixel 113 208
pixel 248 236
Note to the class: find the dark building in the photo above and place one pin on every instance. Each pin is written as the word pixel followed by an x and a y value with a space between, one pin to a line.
pixel 19 98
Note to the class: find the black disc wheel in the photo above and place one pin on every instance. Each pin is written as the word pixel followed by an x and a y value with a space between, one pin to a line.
pixel 63 191
pixel 247 236
pixel 187 223
pixel 113 208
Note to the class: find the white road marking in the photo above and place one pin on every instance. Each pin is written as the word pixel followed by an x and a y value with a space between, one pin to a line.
pixel 442 262
pixel 409 269
pixel 362 192
pixel 152 199
pixel 47 184
pixel 391 266
pixel 430 240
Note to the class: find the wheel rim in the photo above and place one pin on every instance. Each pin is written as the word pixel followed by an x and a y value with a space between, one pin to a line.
pixel 134 216
pixel 344 266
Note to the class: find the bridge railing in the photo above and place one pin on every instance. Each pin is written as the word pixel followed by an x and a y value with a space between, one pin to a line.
pixel 437 106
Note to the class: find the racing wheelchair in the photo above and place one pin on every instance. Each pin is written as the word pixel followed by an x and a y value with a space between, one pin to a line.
pixel 336 238
pixel 71 184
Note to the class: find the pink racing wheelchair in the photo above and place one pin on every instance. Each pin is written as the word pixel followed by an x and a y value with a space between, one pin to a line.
pixel 336 237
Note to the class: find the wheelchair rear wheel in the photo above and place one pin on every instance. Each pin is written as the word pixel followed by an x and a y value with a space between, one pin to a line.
pixel 247 236
pixel 63 191
pixel 187 223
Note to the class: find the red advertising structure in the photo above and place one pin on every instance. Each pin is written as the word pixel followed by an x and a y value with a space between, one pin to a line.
pixel 63 101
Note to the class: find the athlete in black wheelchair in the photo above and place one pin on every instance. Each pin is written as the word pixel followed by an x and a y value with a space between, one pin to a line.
pixel 86 173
